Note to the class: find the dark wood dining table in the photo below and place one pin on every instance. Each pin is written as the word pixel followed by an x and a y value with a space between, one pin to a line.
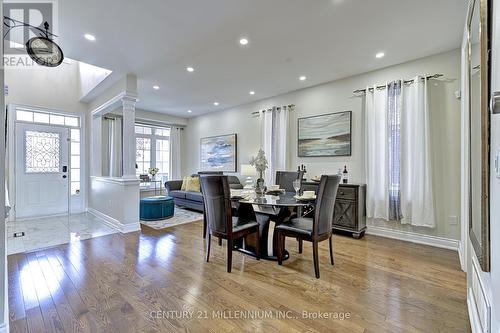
pixel 269 210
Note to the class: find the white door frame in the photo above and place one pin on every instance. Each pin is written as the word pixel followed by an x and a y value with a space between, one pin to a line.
pixel 10 153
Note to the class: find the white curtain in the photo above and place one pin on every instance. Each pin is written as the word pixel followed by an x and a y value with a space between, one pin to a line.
pixel 415 176
pixel 274 138
pixel 115 147
pixel 175 154
pixel 417 199
pixel 377 154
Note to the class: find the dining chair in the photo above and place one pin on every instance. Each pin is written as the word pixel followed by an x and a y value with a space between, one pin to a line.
pixel 316 229
pixel 285 179
pixel 220 220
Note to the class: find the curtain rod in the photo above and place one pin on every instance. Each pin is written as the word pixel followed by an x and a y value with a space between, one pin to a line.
pixel 434 76
pixel 290 106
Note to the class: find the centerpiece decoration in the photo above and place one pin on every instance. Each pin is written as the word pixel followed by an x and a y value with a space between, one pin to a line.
pixel 153 172
pixel 260 164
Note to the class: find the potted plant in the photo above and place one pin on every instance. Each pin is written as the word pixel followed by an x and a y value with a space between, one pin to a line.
pixel 153 172
pixel 260 164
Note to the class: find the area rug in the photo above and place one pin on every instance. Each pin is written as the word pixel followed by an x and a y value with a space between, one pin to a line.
pixel 181 216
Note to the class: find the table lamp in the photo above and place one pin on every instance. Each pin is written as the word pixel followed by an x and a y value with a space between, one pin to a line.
pixel 248 171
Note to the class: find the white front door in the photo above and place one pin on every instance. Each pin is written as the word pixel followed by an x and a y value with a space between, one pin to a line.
pixel 42 170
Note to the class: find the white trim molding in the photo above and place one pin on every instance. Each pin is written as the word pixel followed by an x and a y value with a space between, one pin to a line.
pixel 441 242
pixel 114 223
pixel 114 102
pixel 117 180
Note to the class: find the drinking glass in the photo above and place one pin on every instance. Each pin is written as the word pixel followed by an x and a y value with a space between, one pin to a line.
pixel 296 186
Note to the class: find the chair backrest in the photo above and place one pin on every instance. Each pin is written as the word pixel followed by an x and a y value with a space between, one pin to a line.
pixel 217 200
pixel 285 179
pixel 325 205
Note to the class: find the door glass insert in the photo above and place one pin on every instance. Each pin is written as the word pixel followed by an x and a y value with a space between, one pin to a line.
pixel 42 152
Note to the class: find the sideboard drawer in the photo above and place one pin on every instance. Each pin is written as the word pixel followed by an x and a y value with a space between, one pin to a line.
pixel 347 193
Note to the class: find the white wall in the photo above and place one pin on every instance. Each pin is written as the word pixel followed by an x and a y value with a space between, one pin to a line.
pixel 89 77
pixel 53 88
pixel 337 96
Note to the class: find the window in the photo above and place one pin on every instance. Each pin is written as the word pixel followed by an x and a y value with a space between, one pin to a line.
pixel 26 115
pixel 143 154
pixel 152 149
pixel 42 152
pixel 75 161
pixel 394 129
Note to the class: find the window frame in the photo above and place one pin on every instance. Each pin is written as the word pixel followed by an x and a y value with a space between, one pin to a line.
pixel 153 137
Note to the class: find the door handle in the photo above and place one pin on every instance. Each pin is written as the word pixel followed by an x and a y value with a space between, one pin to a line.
pixel 65 168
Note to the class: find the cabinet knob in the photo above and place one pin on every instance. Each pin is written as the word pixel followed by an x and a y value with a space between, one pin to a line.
pixel 341 193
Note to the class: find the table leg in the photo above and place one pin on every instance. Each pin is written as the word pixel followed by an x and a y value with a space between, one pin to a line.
pixel 268 241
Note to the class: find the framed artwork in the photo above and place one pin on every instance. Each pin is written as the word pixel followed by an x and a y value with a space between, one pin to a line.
pixel 325 135
pixel 218 153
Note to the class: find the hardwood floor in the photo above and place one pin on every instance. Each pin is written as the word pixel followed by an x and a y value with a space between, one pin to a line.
pixel 142 282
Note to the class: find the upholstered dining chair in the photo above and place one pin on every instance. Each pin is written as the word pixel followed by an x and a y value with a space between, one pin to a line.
pixel 285 179
pixel 220 220
pixel 316 229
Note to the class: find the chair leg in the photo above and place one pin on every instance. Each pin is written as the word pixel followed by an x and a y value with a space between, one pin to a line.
pixel 281 245
pixel 300 245
pixel 331 251
pixel 208 245
pixel 315 257
pixel 204 226
pixel 257 247
pixel 220 241
pixel 229 254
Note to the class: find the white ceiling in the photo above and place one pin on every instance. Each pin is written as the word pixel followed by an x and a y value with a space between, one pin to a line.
pixel 322 39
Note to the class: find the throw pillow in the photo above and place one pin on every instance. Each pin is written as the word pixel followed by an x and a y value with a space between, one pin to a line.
pixel 193 185
pixel 184 183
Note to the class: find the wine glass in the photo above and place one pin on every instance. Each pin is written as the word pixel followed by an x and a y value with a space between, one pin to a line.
pixel 296 185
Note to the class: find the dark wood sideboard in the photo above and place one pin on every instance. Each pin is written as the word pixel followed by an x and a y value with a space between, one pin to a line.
pixel 350 207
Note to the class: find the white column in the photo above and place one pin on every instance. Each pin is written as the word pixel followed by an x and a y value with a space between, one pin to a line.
pixel 129 137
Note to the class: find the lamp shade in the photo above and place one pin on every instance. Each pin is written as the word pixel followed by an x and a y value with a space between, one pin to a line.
pixel 247 170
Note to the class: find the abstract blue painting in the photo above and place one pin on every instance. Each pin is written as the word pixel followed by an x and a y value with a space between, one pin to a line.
pixel 325 135
pixel 218 153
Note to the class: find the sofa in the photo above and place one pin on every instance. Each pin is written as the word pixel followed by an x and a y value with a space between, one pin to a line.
pixel 194 200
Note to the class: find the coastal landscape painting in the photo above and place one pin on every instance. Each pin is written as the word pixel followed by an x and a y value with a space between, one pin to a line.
pixel 325 135
pixel 218 153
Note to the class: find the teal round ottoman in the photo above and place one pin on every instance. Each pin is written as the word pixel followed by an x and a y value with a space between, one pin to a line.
pixel 156 208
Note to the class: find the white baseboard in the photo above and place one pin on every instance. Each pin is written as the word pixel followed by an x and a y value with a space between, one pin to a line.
pixel 114 223
pixel 475 322
pixel 461 256
pixel 413 237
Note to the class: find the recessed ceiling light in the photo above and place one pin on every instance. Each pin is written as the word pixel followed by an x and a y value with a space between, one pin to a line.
pixel 156 87
pixel 216 103
pixel 380 55
pixel 189 111
pixel 252 92
pixel 190 69
pixel 243 41
pixel 302 78
pixel 89 37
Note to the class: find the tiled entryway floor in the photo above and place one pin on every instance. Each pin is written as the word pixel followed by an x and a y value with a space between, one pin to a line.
pixel 49 231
